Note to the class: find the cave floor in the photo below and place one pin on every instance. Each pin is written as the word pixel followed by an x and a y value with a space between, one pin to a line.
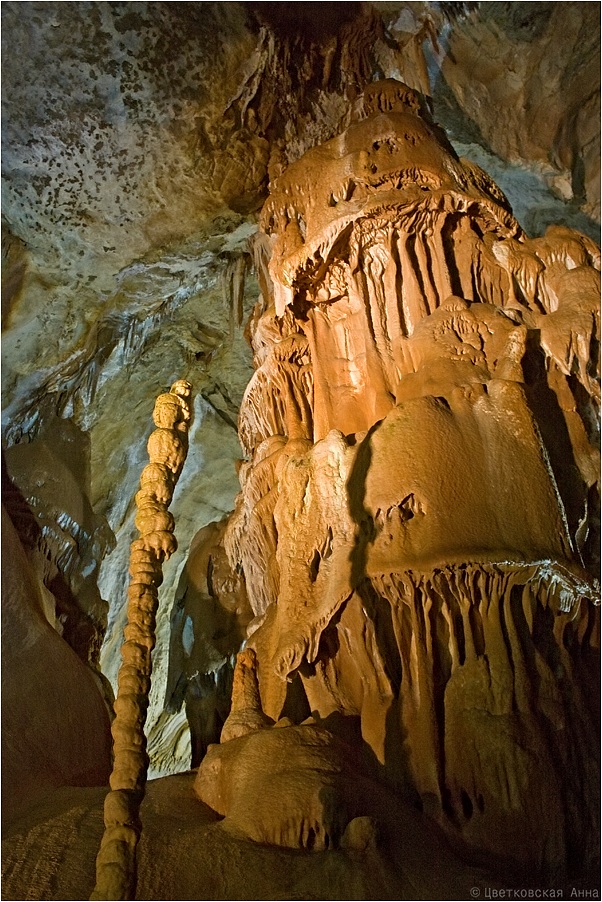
pixel 187 852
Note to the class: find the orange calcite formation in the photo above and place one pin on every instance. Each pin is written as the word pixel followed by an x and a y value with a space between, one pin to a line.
pixel 417 513
pixel 167 447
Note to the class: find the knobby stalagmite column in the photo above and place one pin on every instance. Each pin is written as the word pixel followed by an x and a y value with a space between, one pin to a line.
pixel 167 448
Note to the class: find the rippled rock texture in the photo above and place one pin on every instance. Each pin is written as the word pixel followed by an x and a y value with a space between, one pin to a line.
pixel 413 551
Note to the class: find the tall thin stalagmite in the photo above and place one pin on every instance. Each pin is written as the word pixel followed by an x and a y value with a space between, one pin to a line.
pixel 167 448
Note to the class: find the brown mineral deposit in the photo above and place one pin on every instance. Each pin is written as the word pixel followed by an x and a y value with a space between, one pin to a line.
pixel 167 447
pixel 410 543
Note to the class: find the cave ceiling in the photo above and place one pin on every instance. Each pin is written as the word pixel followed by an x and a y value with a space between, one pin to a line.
pixel 138 143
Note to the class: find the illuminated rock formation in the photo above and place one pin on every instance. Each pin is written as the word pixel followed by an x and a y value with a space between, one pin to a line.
pixel 167 447
pixel 418 505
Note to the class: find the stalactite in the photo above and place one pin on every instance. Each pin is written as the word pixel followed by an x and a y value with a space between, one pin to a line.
pixel 233 287
pixel 167 448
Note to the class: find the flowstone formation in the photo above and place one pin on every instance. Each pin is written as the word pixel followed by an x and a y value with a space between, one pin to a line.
pixel 417 527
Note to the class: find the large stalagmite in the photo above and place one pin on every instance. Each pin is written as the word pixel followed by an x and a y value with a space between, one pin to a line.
pixel 417 521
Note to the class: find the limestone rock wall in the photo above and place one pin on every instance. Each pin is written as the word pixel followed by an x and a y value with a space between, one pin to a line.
pixel 536 67
pixel 55 723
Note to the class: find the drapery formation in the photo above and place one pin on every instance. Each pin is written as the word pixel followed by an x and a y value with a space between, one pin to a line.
pixel 417 514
